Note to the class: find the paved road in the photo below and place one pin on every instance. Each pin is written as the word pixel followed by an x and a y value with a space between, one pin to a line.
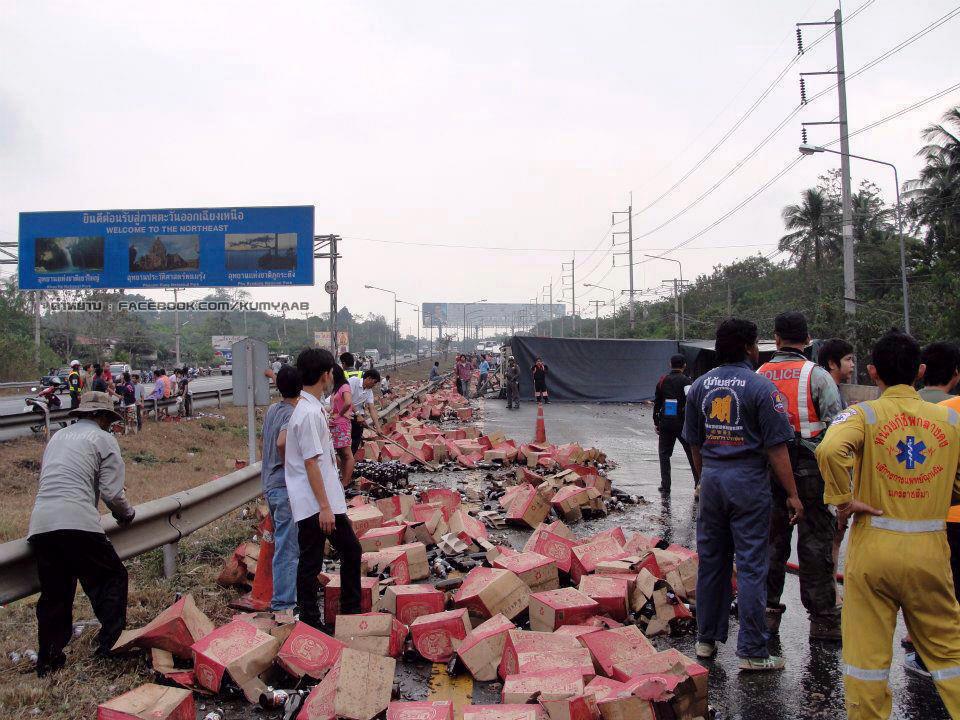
pixel 811 687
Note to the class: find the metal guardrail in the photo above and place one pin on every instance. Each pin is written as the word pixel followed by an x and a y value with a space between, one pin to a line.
pixel 161 522
pixel 27 384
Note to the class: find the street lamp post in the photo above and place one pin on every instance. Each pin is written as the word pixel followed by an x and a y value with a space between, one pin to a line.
pixel 613 299
pixel 374 287
pixel 677 293
pixel 465 305
pixel 813 149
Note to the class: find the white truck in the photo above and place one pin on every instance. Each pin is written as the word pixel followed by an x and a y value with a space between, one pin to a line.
pixel 373 354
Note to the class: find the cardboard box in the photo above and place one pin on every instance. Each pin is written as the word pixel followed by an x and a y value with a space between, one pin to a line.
pixel 610 592
pixel 175 629
pixel 467 527
pixel 482 649
pixel 626 707
pixel 363 518
pixel 531 687
pixel 358 687
pixel 149 702
pixel 576 631
pixel 568 501
pixel 408 602
pixel 557 547
pixel 539 572
pixel 405 562
pixel 553 608
pixel 503 712
pixel 438 636
pixel 578 707
pixel 369 595
pixel 308 652
pixel 449 500
pixel 376 633
pixel 427 710
pixel 666 662
pixel 237 648
pixel 529 642
pixel 380 538
pixel 488 591
pixel 528 506
pixel 584 557
pixel 620 645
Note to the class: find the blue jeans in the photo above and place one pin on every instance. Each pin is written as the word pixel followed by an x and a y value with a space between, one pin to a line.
pixel 733 523
pixel 286 550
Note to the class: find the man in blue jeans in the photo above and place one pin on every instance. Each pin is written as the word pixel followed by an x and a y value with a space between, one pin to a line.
pixel 286 549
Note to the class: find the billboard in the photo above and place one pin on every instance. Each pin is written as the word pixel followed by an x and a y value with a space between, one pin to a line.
pixel 192 247
pixel 223 345
pixel 321 339
pixel 502 315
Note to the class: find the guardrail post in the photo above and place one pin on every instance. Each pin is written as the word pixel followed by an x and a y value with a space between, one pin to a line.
pixel 156 409
pixel 169 560
pixel 46 423
pixel 219 398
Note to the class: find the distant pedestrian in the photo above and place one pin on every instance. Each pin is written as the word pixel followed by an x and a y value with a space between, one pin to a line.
pixel 99 383
pixel 139 396
pixel 341 415
pixel 74 384
pixel 361 391
pixel 539 370
pixel 484 369
pixel 183 392
pixel 128 397
pixel 81 466
pixel 670 400
pixel 942 360
pixel 736 424
pixel 511 376
pixel 286 549
pixel 385 386
pixel 464 371
pixel 435 371
pixel 316 493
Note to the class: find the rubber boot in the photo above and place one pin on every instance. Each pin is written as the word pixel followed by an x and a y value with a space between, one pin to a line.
pixel 825 628
pixel 773 617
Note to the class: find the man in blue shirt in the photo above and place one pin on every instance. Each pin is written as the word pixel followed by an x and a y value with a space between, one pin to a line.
pixel 484 369
pixel 736 423
pixel 286 549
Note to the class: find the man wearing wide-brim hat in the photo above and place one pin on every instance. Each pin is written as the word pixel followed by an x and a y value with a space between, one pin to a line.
pixel 81 465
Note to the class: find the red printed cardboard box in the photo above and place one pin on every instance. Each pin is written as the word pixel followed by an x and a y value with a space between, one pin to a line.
pixel 482 650
pixel 307 651
pixel 449 499
pixel 237 648
pixel 467 527
pixel 557 547
pixel 331 595
pixel 577 707
pixel 503 712
pixel 438 636
pixel 427 710
pixel 551 685
pixel 380 538
pixel 176 629
pixel 406 562
pixel 408 602
pixel 568 501
pixel 620 645
pixel 488 591
pixel 539 572
pixel 612 593
pixel 553 608
pixel 526 642
pixel 584 558
pixel 149 702
pixel 358 687
pixel 363 518
pixel 377 633
pixel 395 506
pixel 527 506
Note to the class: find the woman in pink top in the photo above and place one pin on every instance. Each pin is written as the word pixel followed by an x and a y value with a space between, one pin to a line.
pixel 341 412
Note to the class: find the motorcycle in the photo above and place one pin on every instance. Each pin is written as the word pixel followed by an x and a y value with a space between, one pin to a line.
pixel 44 402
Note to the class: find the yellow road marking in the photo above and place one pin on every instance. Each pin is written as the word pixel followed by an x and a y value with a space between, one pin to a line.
pixel 459 689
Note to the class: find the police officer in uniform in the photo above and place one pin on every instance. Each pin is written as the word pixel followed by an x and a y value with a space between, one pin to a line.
pixel 74 384
pixel 511 377
pixel 669 402
pixel 813 401
pixel 736 423
pixel 891 464
pixel 347 362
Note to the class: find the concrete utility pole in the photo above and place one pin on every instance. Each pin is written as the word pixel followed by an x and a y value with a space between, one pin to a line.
pixel 596 318
pixel 677 291
pixel 36 327
pixel 550 289
pixel 676 306
pixel 176 328
pixel 629 213
pixel 330 243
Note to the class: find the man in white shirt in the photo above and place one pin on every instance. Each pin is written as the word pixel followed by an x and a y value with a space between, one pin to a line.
pixel 361 390
pixel 316 493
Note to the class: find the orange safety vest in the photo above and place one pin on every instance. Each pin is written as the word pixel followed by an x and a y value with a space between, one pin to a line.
pixel 954 515
pixel 792 379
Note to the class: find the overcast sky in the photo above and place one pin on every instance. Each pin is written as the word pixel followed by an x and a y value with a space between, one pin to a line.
pixel 496 125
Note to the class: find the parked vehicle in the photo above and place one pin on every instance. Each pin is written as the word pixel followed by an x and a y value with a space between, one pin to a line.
pixel 118 369
pixel 58 379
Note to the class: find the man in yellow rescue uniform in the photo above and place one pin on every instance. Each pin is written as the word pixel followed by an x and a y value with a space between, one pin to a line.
pixel 901 454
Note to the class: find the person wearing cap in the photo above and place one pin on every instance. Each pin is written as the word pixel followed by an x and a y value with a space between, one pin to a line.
pixel 81 464
pixel 512 378
pixel 74 384
pixel 812 401
pixel 669 402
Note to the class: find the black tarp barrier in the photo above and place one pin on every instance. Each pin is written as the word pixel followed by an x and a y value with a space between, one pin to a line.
pixel 587 370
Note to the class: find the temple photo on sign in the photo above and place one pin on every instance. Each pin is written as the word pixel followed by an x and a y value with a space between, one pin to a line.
pixel 153 253
pixel 68 255
pixel 261 251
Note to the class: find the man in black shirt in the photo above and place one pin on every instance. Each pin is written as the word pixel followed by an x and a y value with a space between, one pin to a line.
pixel 668 408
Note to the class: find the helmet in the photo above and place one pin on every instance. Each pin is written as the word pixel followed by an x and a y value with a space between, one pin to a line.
pixel 74 363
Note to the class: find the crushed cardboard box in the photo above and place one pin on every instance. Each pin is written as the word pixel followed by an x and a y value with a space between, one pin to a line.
pixel 438 636
pixel 358 687
pixel 486 592
pixel 149 702
pixel 237 649
pixel 175 629
pixel 482 649
pixel 377 633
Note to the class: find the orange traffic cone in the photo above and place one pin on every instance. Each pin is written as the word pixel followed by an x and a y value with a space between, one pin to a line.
pixel 541 428
pixel 260 597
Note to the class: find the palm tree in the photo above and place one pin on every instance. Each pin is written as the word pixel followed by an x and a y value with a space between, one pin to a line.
pixel 934 197
pixel 813 229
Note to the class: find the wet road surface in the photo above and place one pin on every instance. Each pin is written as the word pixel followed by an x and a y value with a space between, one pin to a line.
pixel 812 685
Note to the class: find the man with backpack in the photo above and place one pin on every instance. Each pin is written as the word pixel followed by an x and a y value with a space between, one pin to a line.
pixel 668 408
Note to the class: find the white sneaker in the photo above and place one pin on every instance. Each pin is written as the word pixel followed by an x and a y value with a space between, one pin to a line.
pixel 706 650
